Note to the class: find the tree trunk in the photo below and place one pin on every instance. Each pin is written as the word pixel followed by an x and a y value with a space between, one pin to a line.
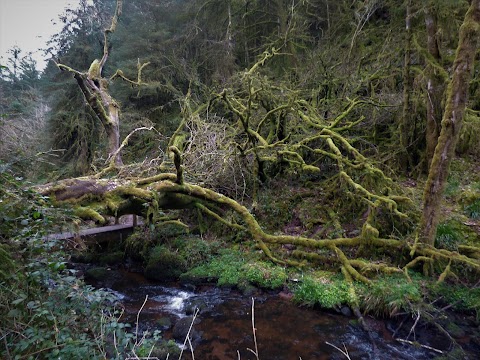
pixel 435 85
pixel 95 89
pixel 406 120
pixel 457 95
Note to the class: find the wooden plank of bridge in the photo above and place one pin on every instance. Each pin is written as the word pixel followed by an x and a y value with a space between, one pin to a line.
pixel 88 232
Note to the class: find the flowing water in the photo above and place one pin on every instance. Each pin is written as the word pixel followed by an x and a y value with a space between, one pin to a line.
pixel 223 328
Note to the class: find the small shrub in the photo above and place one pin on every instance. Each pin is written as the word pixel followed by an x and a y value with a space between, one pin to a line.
pixel 453 185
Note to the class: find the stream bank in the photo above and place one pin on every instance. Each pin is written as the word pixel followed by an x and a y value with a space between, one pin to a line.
pixel 223 328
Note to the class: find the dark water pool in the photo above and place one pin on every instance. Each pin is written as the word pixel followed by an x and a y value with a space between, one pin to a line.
pixel 223 329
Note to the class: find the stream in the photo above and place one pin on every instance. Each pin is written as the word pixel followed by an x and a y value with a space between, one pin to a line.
pixel 223 328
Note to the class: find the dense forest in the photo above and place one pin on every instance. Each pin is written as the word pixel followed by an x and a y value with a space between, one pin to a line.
pixel 339 140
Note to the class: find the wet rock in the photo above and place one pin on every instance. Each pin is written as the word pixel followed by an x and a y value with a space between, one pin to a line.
pixel 345 310
pixel 181 327
pixel 83 258
pixel 164 323
pixel 195 303
pixel 189 287
pixel 189 279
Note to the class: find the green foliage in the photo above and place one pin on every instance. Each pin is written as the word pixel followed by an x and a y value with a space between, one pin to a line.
pixel 265 275
pixel 461 297
pixel 453 185
pixel 7 266
pixel 226 269
pixel 326 292
pixel 390 295
pixel 473 209
pixel 448 236
pixel 47 312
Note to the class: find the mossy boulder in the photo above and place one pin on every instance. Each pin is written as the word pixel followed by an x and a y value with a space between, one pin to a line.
pixel 164 264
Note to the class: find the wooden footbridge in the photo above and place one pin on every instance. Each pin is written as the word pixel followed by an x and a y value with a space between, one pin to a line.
pixel 98 234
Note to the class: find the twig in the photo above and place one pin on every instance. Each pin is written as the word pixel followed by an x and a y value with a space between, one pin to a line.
pixel 345 353
pixel 254 330
pixel 414 325
pixel 138 316
pixel 191 347
pixel 188 334
pixel 414 343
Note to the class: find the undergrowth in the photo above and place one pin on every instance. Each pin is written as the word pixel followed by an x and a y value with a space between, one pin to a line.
pixel 46 311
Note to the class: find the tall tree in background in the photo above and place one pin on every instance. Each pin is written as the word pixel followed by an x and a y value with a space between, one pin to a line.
pixel 436 80
pixel 457 94
pixel 95 90
pixel 73 126
pixel 405 126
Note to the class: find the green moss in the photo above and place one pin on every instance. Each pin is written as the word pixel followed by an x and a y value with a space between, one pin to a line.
pixel 195 250
pixel 265 275
pixel 164 264
pixel 455 330
pixel 327 293
pixel 89 214
pixel 226 269
pixel 171 229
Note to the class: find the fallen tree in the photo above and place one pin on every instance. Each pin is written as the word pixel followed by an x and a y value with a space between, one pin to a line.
pixel 95 198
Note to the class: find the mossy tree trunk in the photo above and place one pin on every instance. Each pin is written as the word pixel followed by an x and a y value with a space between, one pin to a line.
pixel 457 94
pixel 95 89
pixel 435 83
pixel 406 120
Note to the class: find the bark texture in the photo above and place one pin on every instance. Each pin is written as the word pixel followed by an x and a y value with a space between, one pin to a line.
pixel 406 120
pixel 95 90
pixel 457 95
pixel 435 84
